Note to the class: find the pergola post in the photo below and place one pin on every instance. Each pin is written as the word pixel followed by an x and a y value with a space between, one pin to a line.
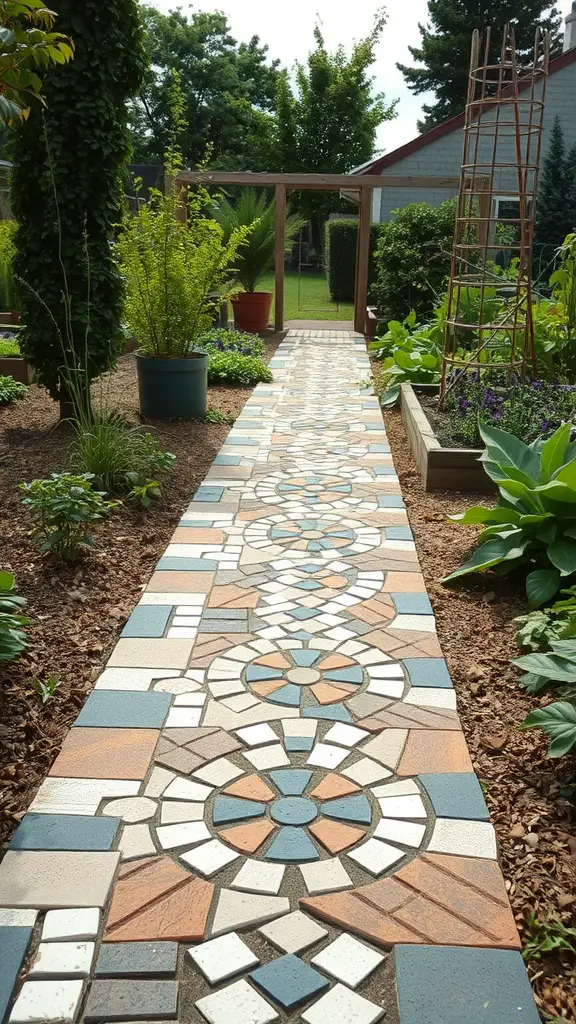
pixel 279 255
pixel 362 259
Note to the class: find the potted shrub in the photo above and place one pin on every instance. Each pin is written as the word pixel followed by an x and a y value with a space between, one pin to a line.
pixel 12 362
pixel 256 255
pixel 8 297
pixel 172 265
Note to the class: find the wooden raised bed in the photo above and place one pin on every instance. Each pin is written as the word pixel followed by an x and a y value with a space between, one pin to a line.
pixel 17 367
pixel 456 469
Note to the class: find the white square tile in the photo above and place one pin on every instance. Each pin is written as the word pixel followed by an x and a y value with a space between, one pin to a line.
pixel 366 772
pixel 222 958
pixel 273 756
pixel 41 1001
pixel 406 832
pixel 209 858
pixel 187 789
pixel 465 838
pixel 386 687
pixel 174 811
pixel 431 697
pixel 348 960
pixel 62 960
pixel 23 918
pixel 347 735
pixel 257 735
pixel 218 772
pixel 77 923
pixel 342 1006
pixel 387 747
pixel 181 834
pixel 259 876
pixel 326 756
pixel 375 856
pixel 238 1003
pixel 300 727
pixel 293 932
pixel 407 787
pixel 183 718
pixel 225 688
pixel 325 876
pixel 190 700
pixel 135 842
pixel 402 807
pixel 240 702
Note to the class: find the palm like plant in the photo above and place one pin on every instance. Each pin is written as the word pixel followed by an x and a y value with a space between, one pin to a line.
pixel 255 257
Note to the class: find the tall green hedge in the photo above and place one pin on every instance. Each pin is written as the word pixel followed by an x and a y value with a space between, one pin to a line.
pixel 67 193
pixel 340 254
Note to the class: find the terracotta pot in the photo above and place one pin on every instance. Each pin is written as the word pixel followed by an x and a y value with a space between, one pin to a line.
pixel 252 311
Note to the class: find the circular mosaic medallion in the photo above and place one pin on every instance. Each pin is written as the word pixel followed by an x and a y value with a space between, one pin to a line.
pixel 320 491
pixel 322 535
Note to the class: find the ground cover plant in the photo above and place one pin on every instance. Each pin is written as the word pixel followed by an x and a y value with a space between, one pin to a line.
pixel 232 368
pixel 8 344
pixel 10 389
pixel 12 635
pixel 224 339
pixel 63 508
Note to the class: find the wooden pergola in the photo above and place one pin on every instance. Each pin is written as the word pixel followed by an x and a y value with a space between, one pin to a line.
pixel 363 184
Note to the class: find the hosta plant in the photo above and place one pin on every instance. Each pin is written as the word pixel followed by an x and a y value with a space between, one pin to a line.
pixel 558 722
pixel 12 636
pixel 539 628
pixel 550 670
pixel 409 354
pixel 534 523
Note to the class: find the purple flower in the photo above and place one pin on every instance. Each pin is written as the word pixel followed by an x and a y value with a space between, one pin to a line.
pixel 497 414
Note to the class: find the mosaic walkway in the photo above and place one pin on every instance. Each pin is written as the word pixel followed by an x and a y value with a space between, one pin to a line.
pixel 266 809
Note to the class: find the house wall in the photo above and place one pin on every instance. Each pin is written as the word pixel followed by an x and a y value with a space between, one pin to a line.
pixel 444 155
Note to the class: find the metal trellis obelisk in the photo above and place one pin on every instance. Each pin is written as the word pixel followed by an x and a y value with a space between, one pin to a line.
pixel 495 214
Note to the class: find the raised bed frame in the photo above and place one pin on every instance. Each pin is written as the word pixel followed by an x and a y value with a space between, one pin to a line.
pixel 453 469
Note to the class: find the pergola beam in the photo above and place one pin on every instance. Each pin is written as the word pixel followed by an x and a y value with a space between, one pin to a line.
pixel 315 182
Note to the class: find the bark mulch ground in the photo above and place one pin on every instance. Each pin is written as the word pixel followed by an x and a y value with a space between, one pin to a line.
pixel 528 795
pixel 77 613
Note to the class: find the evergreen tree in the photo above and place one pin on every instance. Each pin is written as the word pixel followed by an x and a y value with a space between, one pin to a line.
pixel 556 204
pixel 67 195
pixel 445 46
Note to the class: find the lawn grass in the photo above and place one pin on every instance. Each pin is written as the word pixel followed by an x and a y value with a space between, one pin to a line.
pixel 315 302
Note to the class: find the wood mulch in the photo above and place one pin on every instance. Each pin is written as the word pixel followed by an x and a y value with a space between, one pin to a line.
pixel 528 795
pixel 77 613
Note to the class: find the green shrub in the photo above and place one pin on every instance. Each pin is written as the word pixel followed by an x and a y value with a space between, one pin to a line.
pixel 120 459
pixel 224 339
pixel 534 523
pixel 9 347
pixel 62 507
pixel 231 368
pixel 12 637
pixel 409 354
pixel 11 389
pixel 412 259
pixel 340 256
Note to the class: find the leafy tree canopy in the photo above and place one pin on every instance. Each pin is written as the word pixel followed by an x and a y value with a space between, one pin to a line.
pixel 229 91
pixel 27 47
pixel 445 46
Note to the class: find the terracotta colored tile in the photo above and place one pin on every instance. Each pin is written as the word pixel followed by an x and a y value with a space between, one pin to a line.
pixel 333 785
pixel 207 646
pixel 251 787
pixel 335 582
pixel 250 516
pixel 329 693
pixel 430 646
pixel 159 900
pixel 231 596
pixel 382 640
pixel 348 911
pixel 387 896
pixel 264 689
pixel 404 583
pixel 273 661
pixel 437 926
pixel 179 760
pixel 408 716
pixel 335 836
pixel 371 724
pixel 105 754
pixel 165 582
pixel 216 745
pixel 247 838
pixel 195 535
pixel 335 661
pixel 434 751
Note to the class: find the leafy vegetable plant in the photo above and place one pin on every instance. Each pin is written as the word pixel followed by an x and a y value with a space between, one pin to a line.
pixel 63 506
pixel 12 636
pixel 409 355
pixel 534 522
pixel 232 368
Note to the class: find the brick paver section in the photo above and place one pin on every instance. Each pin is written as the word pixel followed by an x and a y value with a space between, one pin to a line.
pixel 271 770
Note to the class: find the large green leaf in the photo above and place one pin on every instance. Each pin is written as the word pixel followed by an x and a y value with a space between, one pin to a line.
pixel 562 554
pixel 556 490
pixel 567 474
pixel 507 450
pixel 541 585
pixel 491 553
pixel 558 721
pixel 552 454
pixel 561 668
pixel 481 514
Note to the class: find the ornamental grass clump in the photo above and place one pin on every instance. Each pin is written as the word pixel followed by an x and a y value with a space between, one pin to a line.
pixel 533 526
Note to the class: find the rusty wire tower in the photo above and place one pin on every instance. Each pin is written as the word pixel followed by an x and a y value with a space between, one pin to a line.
pixel 502 147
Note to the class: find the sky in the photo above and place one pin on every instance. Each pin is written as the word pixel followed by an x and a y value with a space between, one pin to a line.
pixel 287 26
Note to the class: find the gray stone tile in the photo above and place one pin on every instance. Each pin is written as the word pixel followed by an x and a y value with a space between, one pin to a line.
pixel 148 620
pixel 13 946
pixel 123 959
pixel 131 1000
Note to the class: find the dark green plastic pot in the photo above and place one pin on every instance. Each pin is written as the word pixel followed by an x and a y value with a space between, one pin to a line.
pixel 172 389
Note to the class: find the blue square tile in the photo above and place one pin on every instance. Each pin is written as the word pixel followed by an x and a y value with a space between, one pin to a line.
pixel 398 533
pixel 390 501
pixel 227 460
pixel 116 709
pixel 460 985
pixel 64 832
pixel 384 471
pixel 174 563
pixel 289 981
pixel 208 493
pixel 457 795
pixel 412 604
pixel 383 449
pixel 148 620
pixel 428 672
pixel 13 945
pixel 294 744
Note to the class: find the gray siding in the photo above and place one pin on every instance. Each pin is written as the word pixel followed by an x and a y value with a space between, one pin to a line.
pixel 444 155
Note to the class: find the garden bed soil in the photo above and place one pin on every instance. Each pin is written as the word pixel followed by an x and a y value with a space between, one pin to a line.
pixel 527 794
pixel 77 613
pixel 440 422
